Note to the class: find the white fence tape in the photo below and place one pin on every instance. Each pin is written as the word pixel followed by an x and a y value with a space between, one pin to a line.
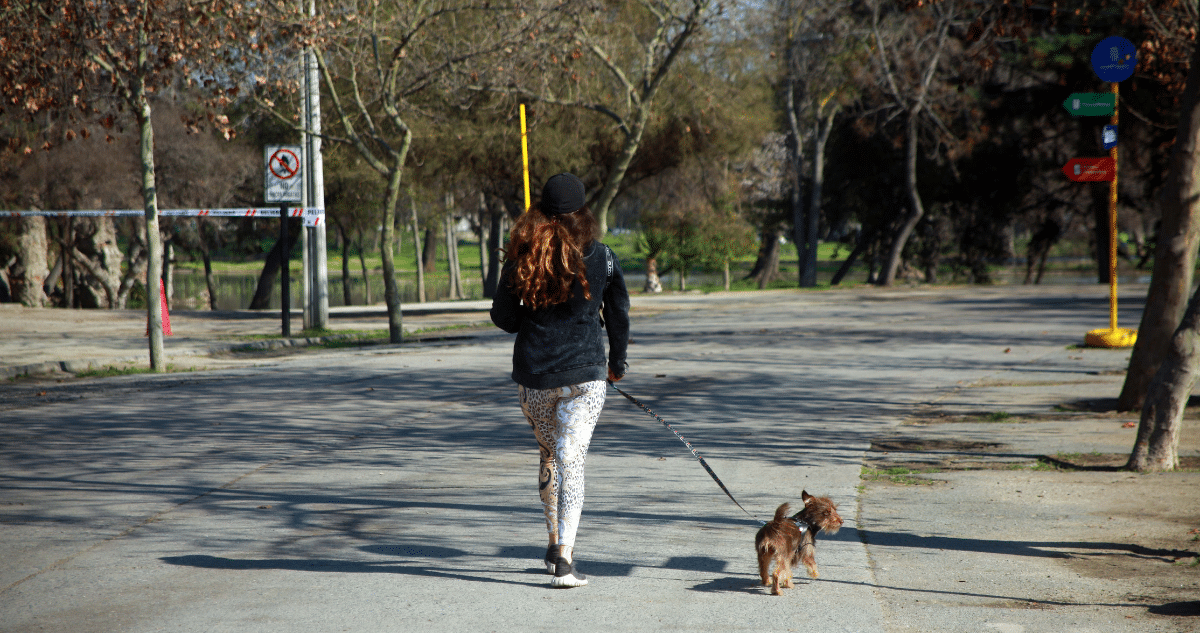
pixel 312 216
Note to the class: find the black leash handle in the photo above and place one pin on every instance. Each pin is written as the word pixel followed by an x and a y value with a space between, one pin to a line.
pixel 689 445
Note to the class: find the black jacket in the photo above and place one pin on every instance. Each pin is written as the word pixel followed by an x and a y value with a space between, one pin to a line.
pixel 563 344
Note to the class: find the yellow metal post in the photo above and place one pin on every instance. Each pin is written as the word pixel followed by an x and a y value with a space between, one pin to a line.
pixel 525 155
pixel 1113 336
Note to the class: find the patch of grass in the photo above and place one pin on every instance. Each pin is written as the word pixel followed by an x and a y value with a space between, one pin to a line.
pixel 1054 464
pixel 998 416
pixel 131 370
pixel 900 476
pixel 447 328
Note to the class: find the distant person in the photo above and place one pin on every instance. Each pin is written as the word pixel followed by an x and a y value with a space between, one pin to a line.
pixel 556 283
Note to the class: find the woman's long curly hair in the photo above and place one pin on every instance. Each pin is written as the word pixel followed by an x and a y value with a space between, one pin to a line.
pixel 548 255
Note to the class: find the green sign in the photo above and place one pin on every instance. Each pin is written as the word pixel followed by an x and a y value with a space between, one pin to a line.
pixel 1091 103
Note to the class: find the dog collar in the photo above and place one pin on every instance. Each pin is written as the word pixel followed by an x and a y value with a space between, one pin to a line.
pixel 803 525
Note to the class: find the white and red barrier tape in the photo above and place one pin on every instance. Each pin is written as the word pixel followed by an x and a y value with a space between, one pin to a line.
pixel 312 216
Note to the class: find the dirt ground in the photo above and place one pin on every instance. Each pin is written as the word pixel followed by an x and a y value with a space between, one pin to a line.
pixel 1093 518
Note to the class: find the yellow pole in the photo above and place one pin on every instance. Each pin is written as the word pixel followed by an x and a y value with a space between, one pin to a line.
pixel 1113 336
pixel 1112 226
pixel 525 155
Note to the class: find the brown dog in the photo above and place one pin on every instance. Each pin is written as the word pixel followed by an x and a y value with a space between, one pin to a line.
pixel 787 541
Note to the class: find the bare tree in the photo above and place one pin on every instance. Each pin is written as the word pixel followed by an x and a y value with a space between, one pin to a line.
pixel 1179 232
pixel 908 60
pixel 376 68
pixel 70 56
pixel 612 62
pixel 1157 444
pixel 818 48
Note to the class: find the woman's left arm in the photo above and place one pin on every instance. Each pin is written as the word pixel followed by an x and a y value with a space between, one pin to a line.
pixel 616 320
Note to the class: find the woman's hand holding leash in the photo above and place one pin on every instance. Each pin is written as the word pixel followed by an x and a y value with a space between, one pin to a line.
pixel 611 377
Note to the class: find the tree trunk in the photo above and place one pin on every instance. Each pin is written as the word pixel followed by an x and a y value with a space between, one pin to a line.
pixel 892 264
pixel 52 279
pixel 453 269
pixel 1175 253
pixel 347 299
pixel 32 247
pixel 796 152
pixel 859 247
pixel 1039 247
pixel 206 256
pixel 429 250
pixel 362 265
pixel 158 361
pixel 270 270
pixel 136 256
pixel 169 272
pixel 97 254
pixel 612 185
pixel 209 282
pixel 68 247
pixel 1157 445
pixel 766 268
pixel 812 231
pixel 391 291
pixel 419 259
pixel 483 217
pixel 495 230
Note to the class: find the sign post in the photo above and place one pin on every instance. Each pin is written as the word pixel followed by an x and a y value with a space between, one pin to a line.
pixel 284 184
pixel 1114 60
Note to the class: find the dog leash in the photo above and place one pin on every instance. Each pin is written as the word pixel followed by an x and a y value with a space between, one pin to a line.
pixel 689 445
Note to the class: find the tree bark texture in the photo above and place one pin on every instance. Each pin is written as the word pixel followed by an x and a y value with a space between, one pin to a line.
pixel 429 249
pixel 1175 253
pixel 32 246
pixel 1157 444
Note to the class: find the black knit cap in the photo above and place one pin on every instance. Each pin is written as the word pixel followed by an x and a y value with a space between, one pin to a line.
pixel 563 193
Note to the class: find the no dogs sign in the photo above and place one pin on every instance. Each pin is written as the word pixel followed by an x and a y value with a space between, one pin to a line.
pixel 284 181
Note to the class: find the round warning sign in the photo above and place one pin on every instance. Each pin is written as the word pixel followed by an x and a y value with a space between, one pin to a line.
pixel 284 163
pixel 1114 59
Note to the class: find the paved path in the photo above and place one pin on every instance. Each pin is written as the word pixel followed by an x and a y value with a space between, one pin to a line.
pixel 392 488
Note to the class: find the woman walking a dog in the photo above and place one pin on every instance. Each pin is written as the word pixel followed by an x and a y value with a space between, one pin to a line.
pixel 557 281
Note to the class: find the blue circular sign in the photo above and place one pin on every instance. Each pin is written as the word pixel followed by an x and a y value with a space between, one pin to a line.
pixel 1114 59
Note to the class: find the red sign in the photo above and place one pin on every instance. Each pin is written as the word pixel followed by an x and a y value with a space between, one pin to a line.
pixel 1091 169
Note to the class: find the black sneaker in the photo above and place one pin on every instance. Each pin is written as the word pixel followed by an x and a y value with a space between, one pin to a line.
pixel 551 558
pixel 565 575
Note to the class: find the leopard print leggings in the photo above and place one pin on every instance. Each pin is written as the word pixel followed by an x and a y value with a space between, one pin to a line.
pixel 563 420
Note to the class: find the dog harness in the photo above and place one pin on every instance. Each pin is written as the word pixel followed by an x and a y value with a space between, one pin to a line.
pixel 803 525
